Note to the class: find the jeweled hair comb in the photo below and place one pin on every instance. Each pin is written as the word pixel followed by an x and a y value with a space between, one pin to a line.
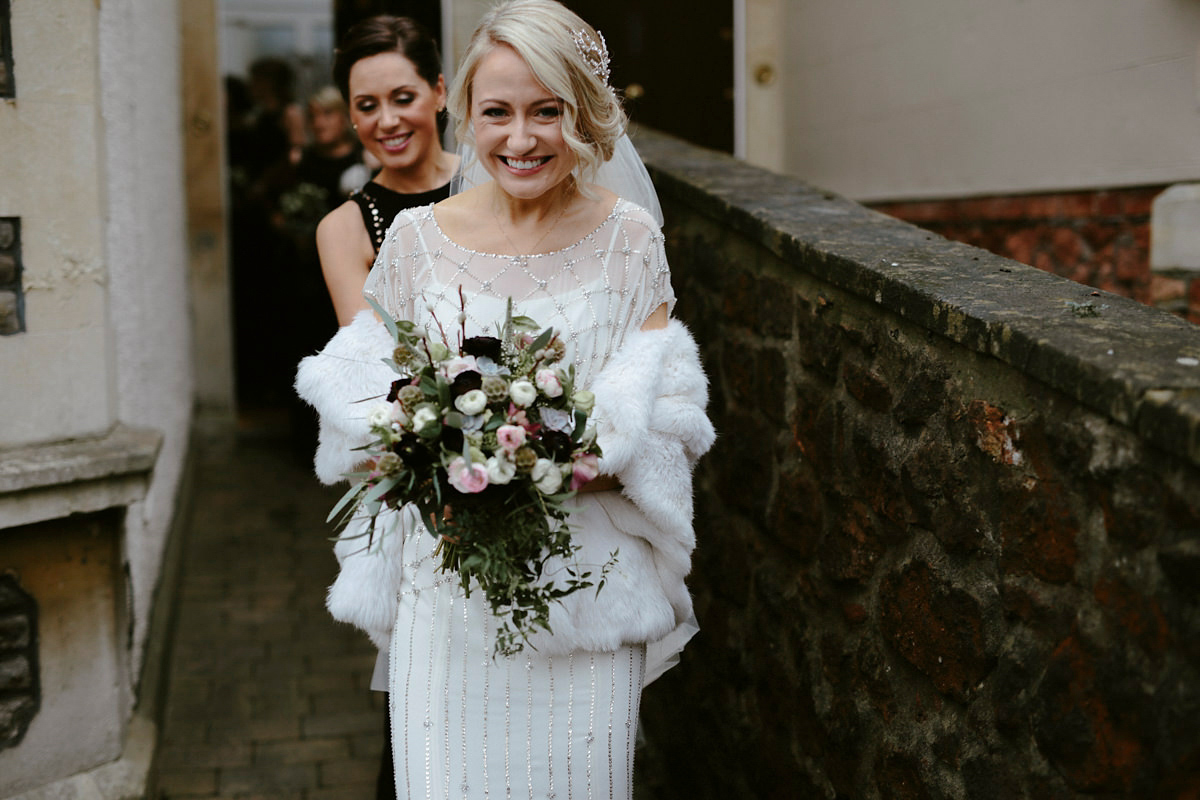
pixel 593 52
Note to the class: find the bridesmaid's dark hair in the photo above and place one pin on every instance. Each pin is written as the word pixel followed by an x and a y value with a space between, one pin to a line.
pixel 386 34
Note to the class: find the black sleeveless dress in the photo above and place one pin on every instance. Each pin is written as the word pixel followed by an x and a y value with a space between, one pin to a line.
pixel 380 205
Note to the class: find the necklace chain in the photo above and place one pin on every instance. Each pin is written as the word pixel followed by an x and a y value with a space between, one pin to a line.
pixel 533 248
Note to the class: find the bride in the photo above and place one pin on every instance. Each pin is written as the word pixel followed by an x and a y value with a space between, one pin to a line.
pixel 533 222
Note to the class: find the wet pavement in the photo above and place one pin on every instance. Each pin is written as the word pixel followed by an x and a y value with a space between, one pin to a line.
pixel 267 696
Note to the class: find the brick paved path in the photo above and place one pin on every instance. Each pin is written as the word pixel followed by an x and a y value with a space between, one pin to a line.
pixel 267 695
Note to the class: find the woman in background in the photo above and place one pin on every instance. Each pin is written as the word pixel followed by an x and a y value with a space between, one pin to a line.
pixel 390 72
pixel 333 161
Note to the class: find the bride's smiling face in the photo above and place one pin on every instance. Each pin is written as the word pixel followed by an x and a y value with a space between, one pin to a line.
pixel 518 126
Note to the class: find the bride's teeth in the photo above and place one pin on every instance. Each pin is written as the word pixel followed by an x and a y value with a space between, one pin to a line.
pixel 515 164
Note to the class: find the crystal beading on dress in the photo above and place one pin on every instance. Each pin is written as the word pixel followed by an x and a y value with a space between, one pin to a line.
pixel 593 291
pixel 580 744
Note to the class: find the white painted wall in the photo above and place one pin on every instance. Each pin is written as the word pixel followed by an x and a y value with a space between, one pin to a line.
pixel 93 167
pixel 459 20
pixel 56 382
pixel 944 98
pixel 146 253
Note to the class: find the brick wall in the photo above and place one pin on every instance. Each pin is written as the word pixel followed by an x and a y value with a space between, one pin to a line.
pixel 1099 238
pixel 949 533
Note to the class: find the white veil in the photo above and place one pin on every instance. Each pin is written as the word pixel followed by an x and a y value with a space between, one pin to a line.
pixel 624 174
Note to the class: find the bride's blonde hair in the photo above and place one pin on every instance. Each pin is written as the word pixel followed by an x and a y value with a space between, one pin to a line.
pixel 544 34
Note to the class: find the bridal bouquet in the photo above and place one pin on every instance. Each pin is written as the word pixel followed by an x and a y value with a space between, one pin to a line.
pixel 488 439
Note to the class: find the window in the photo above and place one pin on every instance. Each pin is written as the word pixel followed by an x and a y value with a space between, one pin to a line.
pixel 7 86
pixel 12 302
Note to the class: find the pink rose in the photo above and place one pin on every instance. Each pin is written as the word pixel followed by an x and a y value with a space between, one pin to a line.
pixel 458 364
pixel 584 469
pixel 518 417
pixel 547 380
pixel 511 437
pixel 467 478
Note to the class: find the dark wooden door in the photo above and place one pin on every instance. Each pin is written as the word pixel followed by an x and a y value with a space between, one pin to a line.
pixel 672 60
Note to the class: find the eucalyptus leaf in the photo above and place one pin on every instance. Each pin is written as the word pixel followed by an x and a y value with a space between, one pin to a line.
pixel 384 316
pixel 352 494
pixel 443 390
pixel 523 323
pixel 380 489
pixel 542 340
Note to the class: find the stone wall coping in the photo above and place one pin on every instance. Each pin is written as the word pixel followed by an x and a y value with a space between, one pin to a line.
pixel 122 452
pixel 1138 365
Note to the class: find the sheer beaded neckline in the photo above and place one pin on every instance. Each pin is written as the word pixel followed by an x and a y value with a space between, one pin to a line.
pixel 613 213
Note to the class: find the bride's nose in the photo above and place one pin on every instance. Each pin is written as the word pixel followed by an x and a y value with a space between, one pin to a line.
pixel 521 138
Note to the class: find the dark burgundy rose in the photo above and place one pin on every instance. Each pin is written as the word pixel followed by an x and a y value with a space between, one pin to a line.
pixel 452 438
pixel 412 452
pixel 465 382
pixel 558 445
pixel 397 385
pixel 488 346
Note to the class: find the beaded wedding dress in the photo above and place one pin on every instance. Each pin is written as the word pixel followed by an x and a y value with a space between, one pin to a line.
pixel 536 725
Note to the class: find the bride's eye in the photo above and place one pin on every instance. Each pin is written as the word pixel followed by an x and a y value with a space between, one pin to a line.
pixel 549 112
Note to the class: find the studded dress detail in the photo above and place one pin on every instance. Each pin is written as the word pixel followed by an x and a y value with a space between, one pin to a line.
pixel 534 726
pixel 379 205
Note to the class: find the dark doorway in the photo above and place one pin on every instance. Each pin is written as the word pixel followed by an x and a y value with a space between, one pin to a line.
pixel 426 12
pixel 672 60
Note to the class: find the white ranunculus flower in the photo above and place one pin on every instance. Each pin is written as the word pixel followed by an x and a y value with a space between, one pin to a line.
pixel 522 392
pixel 380 415
pixel 500 470
pixel 546 476
pixel 584 400
pixel 423 416
pixel 471 403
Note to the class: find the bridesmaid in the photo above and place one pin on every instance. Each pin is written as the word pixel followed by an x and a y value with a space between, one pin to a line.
pixel 390 72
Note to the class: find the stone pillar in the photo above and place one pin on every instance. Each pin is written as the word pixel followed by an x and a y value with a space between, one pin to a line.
pixel 1175 249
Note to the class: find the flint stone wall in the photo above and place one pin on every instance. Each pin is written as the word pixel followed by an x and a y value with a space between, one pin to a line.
pixel 949 536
